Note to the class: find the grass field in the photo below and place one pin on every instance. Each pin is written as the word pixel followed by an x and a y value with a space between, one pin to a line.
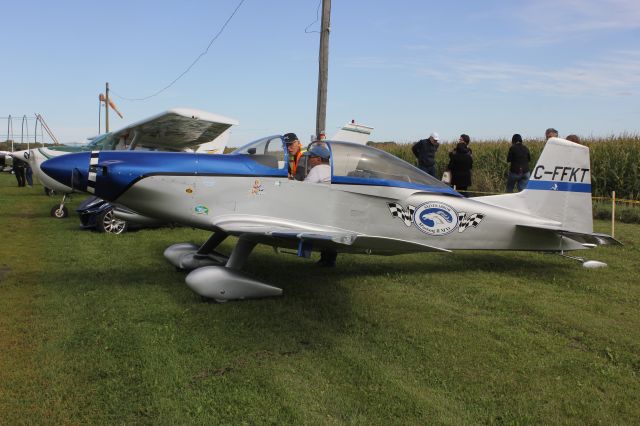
pixel 101 329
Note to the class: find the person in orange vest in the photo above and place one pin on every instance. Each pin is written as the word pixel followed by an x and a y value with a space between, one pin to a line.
pixel 294 147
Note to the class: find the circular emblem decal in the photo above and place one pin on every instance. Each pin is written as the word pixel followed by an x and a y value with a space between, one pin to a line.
pixel 435 218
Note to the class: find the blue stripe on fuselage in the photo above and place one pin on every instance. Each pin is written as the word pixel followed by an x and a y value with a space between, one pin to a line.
pixel 549 185
pixel 351 180
pixel 124 168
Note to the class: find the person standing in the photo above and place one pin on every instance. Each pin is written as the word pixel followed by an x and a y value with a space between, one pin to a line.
pixel 550 133
pixel 466 139
pixel 460 165
pixel 294 148
pixel 425 151
pixel 519 158
pixel 18 170
pixel 29 175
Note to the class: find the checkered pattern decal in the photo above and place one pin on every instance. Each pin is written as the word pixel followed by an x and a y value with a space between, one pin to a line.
pixel 398 211
pixel 91 178
pixel 472 220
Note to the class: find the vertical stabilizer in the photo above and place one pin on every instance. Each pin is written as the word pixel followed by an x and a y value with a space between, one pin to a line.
pixel 353 132
pixel 559 187
pixel 216 146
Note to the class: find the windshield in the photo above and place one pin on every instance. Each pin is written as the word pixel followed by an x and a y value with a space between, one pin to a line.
pixel 267 151
pixel 370 164
pixel 101 142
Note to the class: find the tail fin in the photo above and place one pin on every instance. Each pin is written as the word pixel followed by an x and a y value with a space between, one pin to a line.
pixel 559 187
pixel 216 146
pixel 353 132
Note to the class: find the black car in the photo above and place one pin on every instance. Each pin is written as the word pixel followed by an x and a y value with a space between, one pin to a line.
pixel 96 213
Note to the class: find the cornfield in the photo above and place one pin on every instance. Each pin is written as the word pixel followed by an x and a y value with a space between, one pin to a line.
pixel 615 163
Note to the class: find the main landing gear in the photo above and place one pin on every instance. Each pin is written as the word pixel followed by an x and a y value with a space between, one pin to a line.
pixel 216 276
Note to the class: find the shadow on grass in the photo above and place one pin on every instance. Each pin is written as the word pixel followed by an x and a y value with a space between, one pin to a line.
pixel 317 301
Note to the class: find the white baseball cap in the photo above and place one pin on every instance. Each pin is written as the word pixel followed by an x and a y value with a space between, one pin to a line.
pixel 435 136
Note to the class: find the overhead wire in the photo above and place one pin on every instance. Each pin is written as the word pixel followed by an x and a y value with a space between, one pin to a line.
pixel 190 66
pixel 317 18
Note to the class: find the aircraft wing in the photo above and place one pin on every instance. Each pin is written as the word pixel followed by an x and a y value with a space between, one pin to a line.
pixel 275 232
pixel 175 129
pixel 582 238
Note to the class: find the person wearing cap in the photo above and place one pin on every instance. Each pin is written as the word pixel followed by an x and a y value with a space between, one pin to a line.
pixel 320 172
pixel 519 158
pixel 318 164
pixel 550 133
pixel 425 152
pixel 295 150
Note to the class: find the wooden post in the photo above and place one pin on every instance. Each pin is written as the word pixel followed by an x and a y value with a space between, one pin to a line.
pixel 613 213
pixel 323 69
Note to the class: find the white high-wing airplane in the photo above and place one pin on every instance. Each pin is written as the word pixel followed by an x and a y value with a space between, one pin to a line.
pixel 177 129
pixel 375 203
pixel 7 160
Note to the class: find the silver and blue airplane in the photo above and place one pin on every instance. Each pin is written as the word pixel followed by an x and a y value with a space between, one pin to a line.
pixel 374 204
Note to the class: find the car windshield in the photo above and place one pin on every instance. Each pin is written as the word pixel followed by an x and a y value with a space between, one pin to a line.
pixel 368 165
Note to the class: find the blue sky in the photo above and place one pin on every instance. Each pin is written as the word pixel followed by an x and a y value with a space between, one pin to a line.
pixel 489 69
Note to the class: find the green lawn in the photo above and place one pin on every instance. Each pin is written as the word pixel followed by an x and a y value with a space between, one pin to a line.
pixel 101 329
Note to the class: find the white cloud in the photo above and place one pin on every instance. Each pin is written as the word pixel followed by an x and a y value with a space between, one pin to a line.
pixel 615 74
pixel 579 16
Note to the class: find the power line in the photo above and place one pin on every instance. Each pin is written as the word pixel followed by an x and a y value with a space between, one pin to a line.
pixel 317 17
pixel 190 66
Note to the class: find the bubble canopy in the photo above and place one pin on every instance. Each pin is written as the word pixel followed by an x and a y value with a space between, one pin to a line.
pixel 353 164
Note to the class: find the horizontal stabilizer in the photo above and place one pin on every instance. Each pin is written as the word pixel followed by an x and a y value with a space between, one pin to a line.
pixel 582 238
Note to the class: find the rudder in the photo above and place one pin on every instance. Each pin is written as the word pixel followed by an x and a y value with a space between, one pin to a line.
pixel 560 185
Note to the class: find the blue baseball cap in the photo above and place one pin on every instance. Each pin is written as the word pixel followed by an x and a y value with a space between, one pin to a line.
pixel 319 151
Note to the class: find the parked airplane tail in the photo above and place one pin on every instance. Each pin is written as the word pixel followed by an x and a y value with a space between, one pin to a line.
pixel 559 188
pixel 216 146
pixel 353 132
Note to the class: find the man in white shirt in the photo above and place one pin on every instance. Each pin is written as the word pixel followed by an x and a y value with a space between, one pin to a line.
pixel 318 164
pixel 320 172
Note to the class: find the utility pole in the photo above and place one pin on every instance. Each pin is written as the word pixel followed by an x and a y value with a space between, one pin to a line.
pixel 323 70
pixel 106 109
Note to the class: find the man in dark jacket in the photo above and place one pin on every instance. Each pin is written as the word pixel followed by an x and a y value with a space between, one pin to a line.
pixel 18 170
pixel 519 158
pixel 425 152
pixel 460 165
